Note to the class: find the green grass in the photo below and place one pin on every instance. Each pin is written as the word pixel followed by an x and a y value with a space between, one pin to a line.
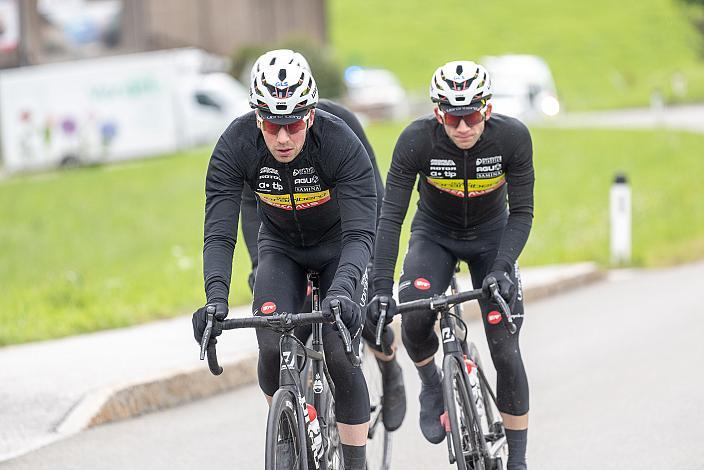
pixel 104 247
pixel 603 53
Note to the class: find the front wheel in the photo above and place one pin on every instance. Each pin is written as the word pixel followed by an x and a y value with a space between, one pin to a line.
pixel 378 438
pixel 466 435
pixel 285 435
pixel 489 415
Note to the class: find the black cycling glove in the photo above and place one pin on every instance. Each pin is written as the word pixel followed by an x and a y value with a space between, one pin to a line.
pixel 200 319
pixel 374 309
pixel 507 288
pixel 350 312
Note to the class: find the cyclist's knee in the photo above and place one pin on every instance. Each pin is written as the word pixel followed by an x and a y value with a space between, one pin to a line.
pixel 419 343
pixel 505 353
pixel 268 364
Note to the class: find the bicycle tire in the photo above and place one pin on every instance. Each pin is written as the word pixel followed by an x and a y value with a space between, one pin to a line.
pixel 285 434
pixel 497 447
pixel 378 438
pixel 468 442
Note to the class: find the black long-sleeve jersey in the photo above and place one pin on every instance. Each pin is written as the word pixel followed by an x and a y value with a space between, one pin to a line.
pixel 459 189
pixel 326 193
pixel 250 218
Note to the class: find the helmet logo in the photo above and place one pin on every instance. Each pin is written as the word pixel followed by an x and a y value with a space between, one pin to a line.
pixel 280 84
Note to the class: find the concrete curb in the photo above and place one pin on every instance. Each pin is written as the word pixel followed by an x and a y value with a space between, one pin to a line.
pixel 131 399
pixel 127 400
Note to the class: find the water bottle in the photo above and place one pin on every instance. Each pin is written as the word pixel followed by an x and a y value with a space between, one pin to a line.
pixel 477 392
pixel 314 435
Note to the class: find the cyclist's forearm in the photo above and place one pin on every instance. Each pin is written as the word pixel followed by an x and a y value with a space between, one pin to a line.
pixel 518 226
pixel 396 200
pixel 385 256
pixel 250 223
pixel 223 190
pixel 354 257
pixel 217 270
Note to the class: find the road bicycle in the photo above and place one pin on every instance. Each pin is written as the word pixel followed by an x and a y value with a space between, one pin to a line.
pixel 475 434
pixel 301 429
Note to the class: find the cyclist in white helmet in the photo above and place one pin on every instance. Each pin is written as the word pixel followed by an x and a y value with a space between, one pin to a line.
pixel 324 222
pixel 394 394
pixel 476 205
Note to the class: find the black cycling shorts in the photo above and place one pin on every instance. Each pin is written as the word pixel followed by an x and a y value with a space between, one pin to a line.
pixel 427 269
pixel 280 286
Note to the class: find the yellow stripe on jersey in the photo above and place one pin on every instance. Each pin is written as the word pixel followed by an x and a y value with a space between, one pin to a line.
pixel 302 200
pixel 474 187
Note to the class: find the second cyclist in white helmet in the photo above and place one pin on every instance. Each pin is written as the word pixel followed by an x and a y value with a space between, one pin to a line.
pixel 475 184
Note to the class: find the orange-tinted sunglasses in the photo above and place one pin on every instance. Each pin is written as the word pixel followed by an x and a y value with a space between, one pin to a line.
pixel 293 128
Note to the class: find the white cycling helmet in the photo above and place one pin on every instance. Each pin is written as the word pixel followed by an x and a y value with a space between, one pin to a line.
pixel 282 92
pixel 460 83
pixel 279 57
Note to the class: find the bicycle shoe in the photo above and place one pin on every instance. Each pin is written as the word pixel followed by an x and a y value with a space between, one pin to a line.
pixel 394 398
pixel 431 407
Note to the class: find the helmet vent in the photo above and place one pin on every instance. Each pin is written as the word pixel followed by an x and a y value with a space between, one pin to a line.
pixel 458 70
pixel 282 74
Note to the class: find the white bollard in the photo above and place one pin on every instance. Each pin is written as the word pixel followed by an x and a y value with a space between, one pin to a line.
pixel 620 208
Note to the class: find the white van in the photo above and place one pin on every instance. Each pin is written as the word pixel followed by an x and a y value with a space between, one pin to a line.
pixel 113 108
pixel 523 86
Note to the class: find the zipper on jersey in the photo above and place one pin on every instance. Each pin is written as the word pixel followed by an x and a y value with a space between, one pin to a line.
pixel 293 205
pixel 466 192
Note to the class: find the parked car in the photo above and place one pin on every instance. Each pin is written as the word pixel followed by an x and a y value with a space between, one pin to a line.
pixel 375 93
pixel 523 86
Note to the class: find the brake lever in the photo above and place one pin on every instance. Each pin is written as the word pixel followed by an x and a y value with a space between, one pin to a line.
pixel 383 308
pixel 210 312
pixel 503 306
pixel 345 333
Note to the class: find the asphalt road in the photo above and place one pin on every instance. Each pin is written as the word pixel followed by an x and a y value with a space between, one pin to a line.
pixel 615 376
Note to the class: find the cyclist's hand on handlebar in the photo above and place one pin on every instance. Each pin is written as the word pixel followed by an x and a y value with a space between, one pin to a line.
pixel 200 319
pixel 507 288
pixel 350 311
pixel 374 309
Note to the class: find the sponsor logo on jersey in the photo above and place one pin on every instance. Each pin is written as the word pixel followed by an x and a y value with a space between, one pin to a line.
pixel 304 171
pixel 494 317
pixel 301 200
pixel 489 160
pixel 309 189
pixel 476 187
pixel 268 308
pixel 307 180
pixel 422 283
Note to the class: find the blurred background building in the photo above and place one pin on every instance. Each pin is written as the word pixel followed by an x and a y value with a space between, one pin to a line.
pixel 43 31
